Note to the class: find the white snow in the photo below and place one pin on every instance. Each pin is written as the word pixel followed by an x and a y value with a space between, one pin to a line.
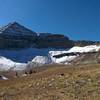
pixel 42 60
pixel 7 64
pixel 17 59
pixel 84 49
pixel 66 59
pixel 3 77
pixel 40 56
pixel 19 66
pixel 90 48
pixel 53 53
pixel 25 55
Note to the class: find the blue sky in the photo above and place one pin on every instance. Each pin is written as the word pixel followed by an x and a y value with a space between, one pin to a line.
pixel 78 19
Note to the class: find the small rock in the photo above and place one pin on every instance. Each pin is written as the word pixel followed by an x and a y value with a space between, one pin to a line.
pixel 30 85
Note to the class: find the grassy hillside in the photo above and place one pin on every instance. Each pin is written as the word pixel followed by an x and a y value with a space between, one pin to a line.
pixel 55 83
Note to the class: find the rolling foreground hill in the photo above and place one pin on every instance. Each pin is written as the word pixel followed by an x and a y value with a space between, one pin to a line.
pixel 56 82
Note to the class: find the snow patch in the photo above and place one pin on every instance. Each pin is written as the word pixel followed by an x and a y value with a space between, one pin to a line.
pixel 76 49
pixel 7 64
pixel 3 77
pixel 91 48
pixel 64 59
pixel 42 60
pixel 25 55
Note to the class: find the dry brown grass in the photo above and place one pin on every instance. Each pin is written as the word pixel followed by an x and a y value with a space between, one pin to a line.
pixel 55 83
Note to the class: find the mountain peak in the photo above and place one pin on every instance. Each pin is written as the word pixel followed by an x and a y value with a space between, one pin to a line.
pixel 14 23
pixel 16 29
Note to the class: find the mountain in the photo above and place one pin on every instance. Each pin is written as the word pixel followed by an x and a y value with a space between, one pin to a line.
pixel 19 45
pixel 15 29
pixel 85 43
pixel 15 35
pixel 46 40
pixel 48 66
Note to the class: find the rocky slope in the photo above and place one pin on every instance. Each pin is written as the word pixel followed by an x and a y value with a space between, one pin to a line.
pixel 87 58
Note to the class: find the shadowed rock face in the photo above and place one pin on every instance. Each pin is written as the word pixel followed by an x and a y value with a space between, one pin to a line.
pixel 54 40
pixel 15 29
pixel 15 35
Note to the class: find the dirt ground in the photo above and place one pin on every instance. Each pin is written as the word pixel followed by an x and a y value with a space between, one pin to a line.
pixel 81 82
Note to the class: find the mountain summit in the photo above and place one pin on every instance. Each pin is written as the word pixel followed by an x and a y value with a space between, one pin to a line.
pixel 15 29
pixel 15 35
